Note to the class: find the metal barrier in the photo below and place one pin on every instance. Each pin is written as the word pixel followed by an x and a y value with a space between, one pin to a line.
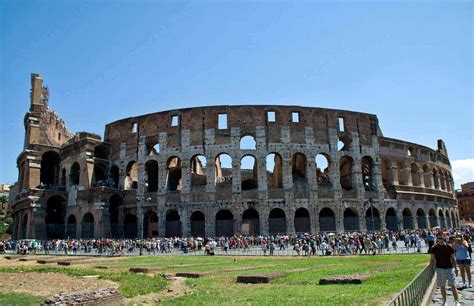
pixel 415 291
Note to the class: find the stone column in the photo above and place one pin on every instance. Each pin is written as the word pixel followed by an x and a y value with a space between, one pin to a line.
pixel 394 171
pixel 421 178
pixel 429 175
pixel 186 175
pixel 437 181
pixel 407 174
pixel 211 174
pixel 428 224
pixel 140 216
pixel 37 227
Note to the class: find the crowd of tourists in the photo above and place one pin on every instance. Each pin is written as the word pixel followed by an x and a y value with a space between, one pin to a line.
pixel 323 244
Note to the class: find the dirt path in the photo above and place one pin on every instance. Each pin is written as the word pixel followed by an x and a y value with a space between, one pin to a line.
pixel 47 284
pixel 177 288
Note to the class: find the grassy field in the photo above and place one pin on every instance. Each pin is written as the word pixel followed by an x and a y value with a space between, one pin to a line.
pixel 386 275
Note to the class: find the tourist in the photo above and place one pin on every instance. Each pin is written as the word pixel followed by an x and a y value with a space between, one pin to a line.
pixel 443 258
pixel 463 259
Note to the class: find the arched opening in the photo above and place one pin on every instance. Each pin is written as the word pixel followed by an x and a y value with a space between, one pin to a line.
pixel 298 169
pixel 344 144
pixel 223 170
pixel 421 218
pixel 63 178
pixel 153 149
pixel 448 220
pixel 248 172
pixel 131 180
pixel 442 220
pixel 71 227
pixel 277 221
pixel 372 219
pixel 101 151
pixel 274 166
pixel 442 180
pixel 391 219
pixel 454 221
pixel 115 213
pixel 367 168
pixel 250 222
pixel 323 175
pixel 114 176
pixel 55 217
pixel 198 171
pixel 346 171
pixel 130 229
pixel 87 226
pixel 351 220
pixel 327 220
pixel 402 174
pixel 150 224
pixel 248 143
pixel 99 177
pixel 74 174
pixel 224 223
pixel 198 224
pixel 407 219
pixel 433 219
pixel 151 169
pixel 415 177
pixel 49 172
pixel 24 227
pixel 302 221
pixel 436 179
pixel 174 180
pixel 173 224
pixel 386 173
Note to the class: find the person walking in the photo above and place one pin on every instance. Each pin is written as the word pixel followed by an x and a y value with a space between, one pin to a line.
pixel 442 257
pixel 463 260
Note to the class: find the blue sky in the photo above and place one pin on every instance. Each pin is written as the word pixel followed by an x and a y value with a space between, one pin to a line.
pixel 408 62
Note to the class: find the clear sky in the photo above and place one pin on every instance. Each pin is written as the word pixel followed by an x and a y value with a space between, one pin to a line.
pixel 408 62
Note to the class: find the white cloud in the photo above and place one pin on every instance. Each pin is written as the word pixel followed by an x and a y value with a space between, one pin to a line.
pixel 463 171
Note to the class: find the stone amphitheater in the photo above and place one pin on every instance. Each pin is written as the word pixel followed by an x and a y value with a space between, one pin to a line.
pixel 222 170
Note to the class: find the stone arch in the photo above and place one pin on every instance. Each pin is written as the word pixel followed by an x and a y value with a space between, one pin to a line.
pixel 277 221
pixel 174 181
pixel 24 227
pixel 130 228
pixel 387 178
pixel 131 180
pixel 421 218
pixel 298 168
pixel 415 177
pixel 367 168
pixel 407 219
pixel 327 220
pixel 198 224
pixel 173 223
pixel 274 166
pixel 151 170
pixel 448 219
pixel 71 226
pixel 55 217
pixel 302 221
pixel 99 177
pixel 198 170
pixel 250 222
pixel 248 172
pixel 344 143
pixel 87 226
pixel 114 176
pixel 74 174
pixel 49 171
pixel 153 146
pixel 101 151
pixel 224 223
pixel 372 219
pixel 346 171
pixel 323 169
pixel 453 220
pixel 115 214
pixel 391 219
pixel 402 174
pixel 351 220
pixel 247 142
pixel 223 165
pixel 433 218
pixel 150 224
pixel 442 220
pixel 63 178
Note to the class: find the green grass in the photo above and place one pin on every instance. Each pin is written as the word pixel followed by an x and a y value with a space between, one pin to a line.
pixel 14 299
pixel 388 275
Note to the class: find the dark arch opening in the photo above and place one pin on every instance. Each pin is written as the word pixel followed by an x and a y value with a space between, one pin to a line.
pixel 198 224
pixel 173 224
pixel 130 228
pixel 224 223
pixel 87 226
pixel 74 175
pixel 55 217
pixel 407 219
pixel 391 219
pixel 302 221
pixel 151 168
pixel 372 219
pixel 71 227
pixel 250 222
pixel 327 220
pixel 49 172
pixel 150 226
pixel 115 208
pixel 114 176
pixel 277 221
pixel 351 220
pixel 421 218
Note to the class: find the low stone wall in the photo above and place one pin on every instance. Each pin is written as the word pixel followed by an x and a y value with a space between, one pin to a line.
pixel 102 296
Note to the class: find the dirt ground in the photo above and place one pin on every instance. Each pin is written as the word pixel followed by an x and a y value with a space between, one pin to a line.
pixel 48 284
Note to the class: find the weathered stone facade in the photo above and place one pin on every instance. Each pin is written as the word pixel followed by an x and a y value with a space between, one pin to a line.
pixel 221 170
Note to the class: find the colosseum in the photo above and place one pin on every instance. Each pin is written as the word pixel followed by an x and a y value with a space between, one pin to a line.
pixel 222 170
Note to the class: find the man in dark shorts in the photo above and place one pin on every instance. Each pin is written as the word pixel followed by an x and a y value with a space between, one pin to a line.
pixel 442 255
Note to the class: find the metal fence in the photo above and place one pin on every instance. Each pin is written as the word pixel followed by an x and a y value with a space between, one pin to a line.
pixel 415 291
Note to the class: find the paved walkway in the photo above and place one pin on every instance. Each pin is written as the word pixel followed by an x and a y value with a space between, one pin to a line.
pixel 466 296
